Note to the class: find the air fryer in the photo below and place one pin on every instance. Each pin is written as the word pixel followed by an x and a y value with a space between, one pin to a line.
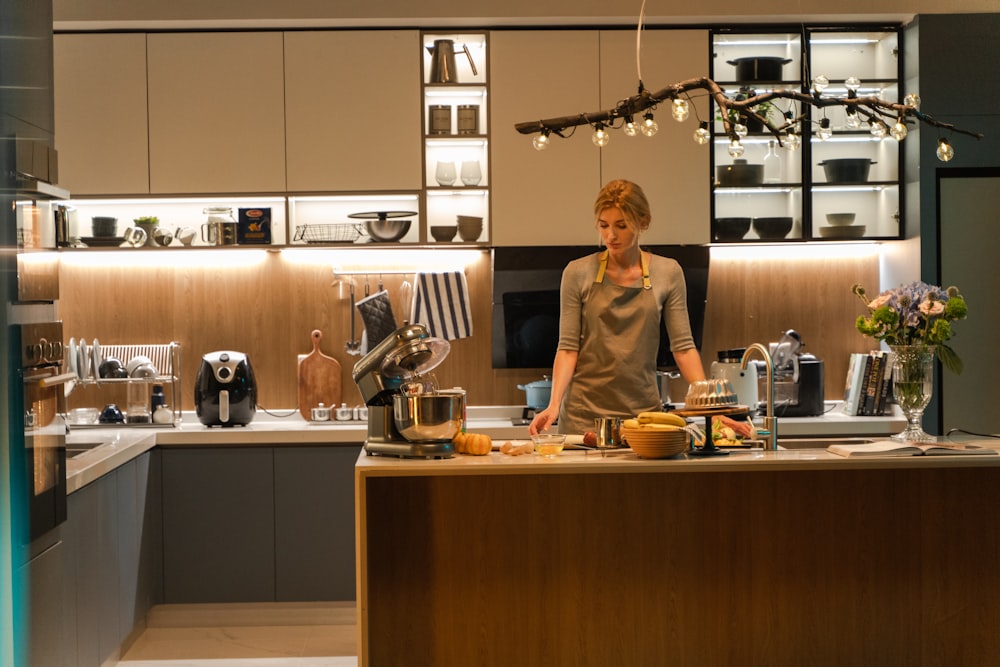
pixel 225 391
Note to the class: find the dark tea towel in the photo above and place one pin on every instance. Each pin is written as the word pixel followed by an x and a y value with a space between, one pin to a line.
pixel 441 303
pixel 376 313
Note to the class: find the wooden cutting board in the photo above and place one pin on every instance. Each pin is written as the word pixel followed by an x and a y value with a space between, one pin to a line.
pixel 319 379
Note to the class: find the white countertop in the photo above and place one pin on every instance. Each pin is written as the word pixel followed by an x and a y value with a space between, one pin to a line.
pixel 277 427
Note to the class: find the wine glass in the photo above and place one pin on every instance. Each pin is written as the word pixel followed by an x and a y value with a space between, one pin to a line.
pixel 445 173
pixel 471 172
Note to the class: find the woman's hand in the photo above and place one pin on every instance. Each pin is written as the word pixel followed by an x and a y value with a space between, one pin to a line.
pixel 543 420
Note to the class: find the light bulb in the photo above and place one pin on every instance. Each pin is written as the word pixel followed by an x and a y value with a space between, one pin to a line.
pixel 702 136
pixel 735 148
pixel 853 119
pixel 541 141
pixel 792 140
pixel 601 136
pixel 824 129
pixel 944 150
pixel 680 110
pixel 649 126
pixel 878 128
pixel 852 84
pixel 898 131
pixel 912 100
pixel 820 83
pixel 740 130
pixel 630 129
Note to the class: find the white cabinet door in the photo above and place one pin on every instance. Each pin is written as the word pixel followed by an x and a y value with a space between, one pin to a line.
pixel 100 107
pixel 543 197
pixel 216 112
pixel 670 167
pixel 352 102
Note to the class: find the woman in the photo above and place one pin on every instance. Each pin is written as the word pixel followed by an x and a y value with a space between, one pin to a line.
pixel 611 304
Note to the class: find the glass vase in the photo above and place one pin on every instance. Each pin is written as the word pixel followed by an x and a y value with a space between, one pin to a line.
pixel 912 386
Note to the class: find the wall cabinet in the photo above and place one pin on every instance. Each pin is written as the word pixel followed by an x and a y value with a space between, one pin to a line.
pixel 349 97
pixel 100 101
pixel 216 112
pixel 546 197
pixel 543 197
pixel 796 183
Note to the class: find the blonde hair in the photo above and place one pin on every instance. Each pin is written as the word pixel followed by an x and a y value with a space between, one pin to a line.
pixel 628 198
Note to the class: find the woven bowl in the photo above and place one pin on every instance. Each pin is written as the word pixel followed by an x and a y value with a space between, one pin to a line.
pixel 650 443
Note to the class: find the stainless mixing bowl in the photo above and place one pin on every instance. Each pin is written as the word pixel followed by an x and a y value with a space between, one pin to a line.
pixel 430 417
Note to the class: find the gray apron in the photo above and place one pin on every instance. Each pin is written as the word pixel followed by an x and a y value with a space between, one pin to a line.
pixel 616 367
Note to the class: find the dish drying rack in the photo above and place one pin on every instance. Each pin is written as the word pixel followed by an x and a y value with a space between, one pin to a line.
pixel 166 359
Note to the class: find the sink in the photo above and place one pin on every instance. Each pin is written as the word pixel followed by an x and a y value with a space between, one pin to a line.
pixel 819 443
pixel 74 449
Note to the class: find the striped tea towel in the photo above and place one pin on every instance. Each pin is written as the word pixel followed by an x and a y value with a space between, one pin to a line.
pixel 441 303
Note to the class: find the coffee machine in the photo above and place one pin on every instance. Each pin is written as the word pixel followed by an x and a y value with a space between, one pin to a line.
pixel 798 379
pixel 407 415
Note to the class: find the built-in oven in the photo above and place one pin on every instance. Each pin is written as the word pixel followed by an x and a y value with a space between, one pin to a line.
pixel 44 404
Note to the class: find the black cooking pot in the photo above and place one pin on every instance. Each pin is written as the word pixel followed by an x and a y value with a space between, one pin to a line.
pixel 847 170
pixel 739 174
pixel 759 68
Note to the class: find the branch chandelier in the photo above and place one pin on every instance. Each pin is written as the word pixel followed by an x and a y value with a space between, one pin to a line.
pixel 635 114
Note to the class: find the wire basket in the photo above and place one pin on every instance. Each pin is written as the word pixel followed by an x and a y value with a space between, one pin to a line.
pixel 333 233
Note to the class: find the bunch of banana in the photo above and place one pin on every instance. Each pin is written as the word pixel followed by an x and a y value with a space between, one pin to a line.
pixel 664 421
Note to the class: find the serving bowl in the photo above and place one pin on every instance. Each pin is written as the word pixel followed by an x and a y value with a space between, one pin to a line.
pixel 772 228
pixel 731 229
pixel 443 233
pixel 739 173
pixel 388 230
pixel 847 170
pixel 469 227
pixel 844 232
pixel 840 219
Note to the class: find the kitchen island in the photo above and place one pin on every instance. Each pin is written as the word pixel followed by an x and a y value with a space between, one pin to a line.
pixel 757 558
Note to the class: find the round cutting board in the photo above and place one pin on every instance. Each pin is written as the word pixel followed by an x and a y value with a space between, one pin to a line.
pixel 319 379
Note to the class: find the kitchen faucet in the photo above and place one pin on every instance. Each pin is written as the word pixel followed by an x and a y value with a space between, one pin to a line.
pixel 770 431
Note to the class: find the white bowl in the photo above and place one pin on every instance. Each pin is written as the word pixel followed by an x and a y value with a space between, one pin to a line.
pixel 840 219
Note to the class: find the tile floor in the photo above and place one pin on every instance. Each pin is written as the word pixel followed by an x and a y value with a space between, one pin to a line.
pixel 248 635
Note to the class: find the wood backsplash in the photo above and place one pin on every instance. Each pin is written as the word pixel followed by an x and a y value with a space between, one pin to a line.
pixel 260 304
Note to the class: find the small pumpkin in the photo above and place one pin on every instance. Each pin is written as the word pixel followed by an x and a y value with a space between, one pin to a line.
pixel 474 444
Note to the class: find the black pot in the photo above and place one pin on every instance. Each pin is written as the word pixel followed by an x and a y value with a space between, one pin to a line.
pixel 731 229
pixel 739 174
pixel 759 68
pixel 847 170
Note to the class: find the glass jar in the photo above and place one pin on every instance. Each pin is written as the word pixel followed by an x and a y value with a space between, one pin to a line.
pixel 219 214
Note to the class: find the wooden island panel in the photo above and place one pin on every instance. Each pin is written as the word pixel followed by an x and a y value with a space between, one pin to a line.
pixel 840 567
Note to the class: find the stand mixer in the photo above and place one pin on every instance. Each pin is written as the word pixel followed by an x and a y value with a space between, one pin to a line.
pixel 407 415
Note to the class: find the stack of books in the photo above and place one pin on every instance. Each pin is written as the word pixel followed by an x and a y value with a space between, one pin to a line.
pixel 868 383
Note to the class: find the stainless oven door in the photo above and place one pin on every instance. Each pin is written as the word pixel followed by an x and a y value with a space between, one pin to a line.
pixel 44 395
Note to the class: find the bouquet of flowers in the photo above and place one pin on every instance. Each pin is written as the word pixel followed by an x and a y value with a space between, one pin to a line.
pixel 915 314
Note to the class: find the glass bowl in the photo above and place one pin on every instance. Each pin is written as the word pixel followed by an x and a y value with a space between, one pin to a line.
pixel 549 445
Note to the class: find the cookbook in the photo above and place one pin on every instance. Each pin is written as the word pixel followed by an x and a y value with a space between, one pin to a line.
pixel 893 448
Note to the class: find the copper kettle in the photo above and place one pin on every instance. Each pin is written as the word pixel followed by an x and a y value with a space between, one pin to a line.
pixel 443 61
